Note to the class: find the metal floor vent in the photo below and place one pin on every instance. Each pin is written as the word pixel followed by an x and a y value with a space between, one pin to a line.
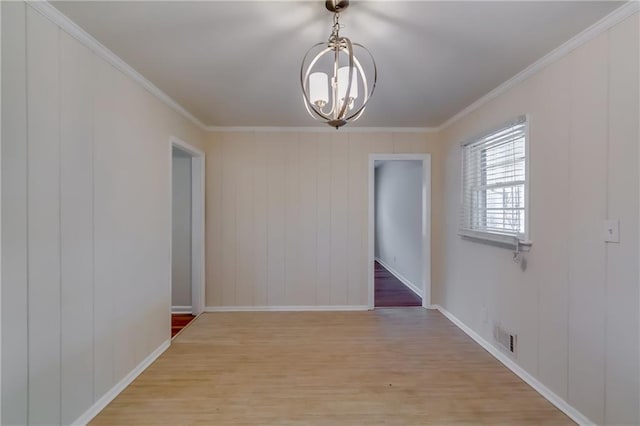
pixel 508 341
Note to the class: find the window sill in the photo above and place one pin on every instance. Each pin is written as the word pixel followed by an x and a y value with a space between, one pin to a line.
pixel 507 241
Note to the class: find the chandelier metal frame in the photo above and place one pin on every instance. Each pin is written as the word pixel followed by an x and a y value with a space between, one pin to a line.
pixel 341 110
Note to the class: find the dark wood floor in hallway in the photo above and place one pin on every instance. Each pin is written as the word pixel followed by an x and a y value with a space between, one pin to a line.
pixel 390 292
pixel 180 321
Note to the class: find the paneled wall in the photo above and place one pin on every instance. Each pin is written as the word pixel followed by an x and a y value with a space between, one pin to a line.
pixel 85 219
pixel 575 306
pixel 287 215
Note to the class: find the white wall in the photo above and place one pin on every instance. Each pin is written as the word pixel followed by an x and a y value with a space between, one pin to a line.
pixel 287 215
pixel 86 221
pixel 575 307
pixel 181 230
pixel 398 218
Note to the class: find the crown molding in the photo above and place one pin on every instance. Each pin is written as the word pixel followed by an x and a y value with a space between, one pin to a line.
pixel 61 20
pixel 615 17
pixel 326 129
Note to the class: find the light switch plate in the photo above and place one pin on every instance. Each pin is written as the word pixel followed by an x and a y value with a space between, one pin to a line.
pixel 611 231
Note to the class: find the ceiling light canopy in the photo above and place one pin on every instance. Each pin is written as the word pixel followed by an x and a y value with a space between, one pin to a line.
pixel 335 86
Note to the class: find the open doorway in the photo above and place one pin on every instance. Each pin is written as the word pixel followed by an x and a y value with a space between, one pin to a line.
pixel 399 230
pixel 187 234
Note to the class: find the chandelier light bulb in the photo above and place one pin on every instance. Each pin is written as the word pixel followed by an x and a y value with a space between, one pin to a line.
pixel 343 78
pixel 335 87
pixel 319 89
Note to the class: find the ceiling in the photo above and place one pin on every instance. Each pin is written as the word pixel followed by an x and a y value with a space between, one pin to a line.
pixel 237 63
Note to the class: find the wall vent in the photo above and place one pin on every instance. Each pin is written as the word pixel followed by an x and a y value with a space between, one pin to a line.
pixel 505 339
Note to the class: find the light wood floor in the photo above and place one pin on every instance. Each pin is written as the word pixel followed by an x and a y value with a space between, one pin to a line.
pixel 404 366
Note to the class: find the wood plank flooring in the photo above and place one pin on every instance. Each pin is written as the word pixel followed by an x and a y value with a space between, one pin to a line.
pixel 390 292
pixel 385 367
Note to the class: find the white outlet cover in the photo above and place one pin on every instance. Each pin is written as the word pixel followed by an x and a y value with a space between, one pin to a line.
pixel 611 231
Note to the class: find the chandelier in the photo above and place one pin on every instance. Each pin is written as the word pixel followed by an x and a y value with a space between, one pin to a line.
pixel 334 83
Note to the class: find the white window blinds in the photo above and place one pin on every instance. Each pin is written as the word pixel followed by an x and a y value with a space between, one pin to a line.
pixel 494 183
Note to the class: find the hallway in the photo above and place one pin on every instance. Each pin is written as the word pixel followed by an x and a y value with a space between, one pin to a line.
pixel 390 292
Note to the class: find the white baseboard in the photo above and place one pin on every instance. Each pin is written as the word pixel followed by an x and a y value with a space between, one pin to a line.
pixel 100 404
pixel 181 310
pixel 402 279
pixel 286 308
pixel 547 393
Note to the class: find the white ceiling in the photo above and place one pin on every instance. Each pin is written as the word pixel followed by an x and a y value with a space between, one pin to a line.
pixel 237 63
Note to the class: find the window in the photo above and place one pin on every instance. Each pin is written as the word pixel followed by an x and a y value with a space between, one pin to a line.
pixel 494 184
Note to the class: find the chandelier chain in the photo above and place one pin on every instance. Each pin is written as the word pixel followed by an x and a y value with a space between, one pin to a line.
pixel 335 31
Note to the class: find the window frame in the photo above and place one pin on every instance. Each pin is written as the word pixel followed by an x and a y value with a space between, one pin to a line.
pixel 494 237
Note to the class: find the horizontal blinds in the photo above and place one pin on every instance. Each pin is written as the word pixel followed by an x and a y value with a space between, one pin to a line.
pixel 493 182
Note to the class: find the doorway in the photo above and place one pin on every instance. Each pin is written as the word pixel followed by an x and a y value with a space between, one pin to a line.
pixel 399 230
pixel 187 234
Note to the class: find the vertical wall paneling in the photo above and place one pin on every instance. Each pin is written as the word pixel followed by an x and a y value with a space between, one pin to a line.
pixel 150 221
pixel 410 143
pixel 105 265
pixel 293 229
pixel 323 222
pixel 125 190
pixel 308 197
pixel 339 218
pixel 76 230
pixel 588 210
pixel 382 143
pixel 357 212
pixel 14 215
pixel 293 216
pixel 549 228
pixel 260 219
pixel 129 336
pixel 244 220
pixel 229 218
pixel 147 224
pixel 43 80
pixel 276 218
pixel 0 213
pixel 622 357
pixel 213 227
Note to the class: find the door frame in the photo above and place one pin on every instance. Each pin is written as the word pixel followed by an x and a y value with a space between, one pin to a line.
pixel 426 223
pixel 197 223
